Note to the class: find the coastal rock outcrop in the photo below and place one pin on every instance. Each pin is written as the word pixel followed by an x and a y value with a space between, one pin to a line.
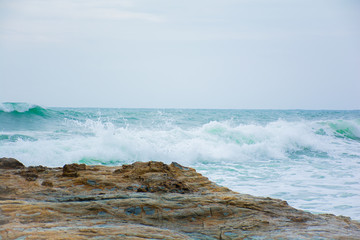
pixel 10 163
pixel 71 170
pixel 148 200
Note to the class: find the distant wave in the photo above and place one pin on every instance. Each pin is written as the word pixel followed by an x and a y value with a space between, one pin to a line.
pixel 22 108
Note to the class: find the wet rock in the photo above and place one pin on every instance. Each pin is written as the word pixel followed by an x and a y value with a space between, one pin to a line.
pixel 10 163
pixel 71 170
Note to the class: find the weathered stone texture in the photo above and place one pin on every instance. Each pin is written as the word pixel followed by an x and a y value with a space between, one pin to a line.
pixel 71 170
pixel 148 200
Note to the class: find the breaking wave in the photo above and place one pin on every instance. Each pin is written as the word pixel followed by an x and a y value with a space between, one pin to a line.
pixel 96 141
pixel 22 108
pixel 309 158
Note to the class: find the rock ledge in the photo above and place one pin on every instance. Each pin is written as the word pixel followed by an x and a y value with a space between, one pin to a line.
pixel 146 200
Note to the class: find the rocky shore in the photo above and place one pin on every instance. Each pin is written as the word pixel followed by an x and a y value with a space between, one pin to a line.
pixel 146 200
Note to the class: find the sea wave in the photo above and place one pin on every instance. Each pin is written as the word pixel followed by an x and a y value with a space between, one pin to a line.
pixel 93 141
pixel 305 160
pixel 22 108
pixel 345 129
pixel 15 138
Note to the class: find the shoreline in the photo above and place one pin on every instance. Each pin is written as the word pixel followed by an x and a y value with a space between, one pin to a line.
pixel 146 200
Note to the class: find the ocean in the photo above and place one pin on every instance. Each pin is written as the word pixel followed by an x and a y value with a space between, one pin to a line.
pixel 311 159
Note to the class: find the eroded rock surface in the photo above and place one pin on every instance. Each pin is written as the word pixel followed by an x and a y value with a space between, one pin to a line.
pixel 147 200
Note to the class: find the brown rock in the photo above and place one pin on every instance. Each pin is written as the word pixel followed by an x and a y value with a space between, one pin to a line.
pixel 37 169
pixel 5 190
pixel 31 173
pixel 30 176
pixel 10 163
pixel 154 177
pixel 71 170
pixel 142 201
pixel 47 183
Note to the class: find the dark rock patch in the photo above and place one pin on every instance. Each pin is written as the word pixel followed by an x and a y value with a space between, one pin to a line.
pixel 32 173
pixel 71 170
pixel 10 163
pixel 5 190
pixel 30 176
pixel 47 183
pixel 37 169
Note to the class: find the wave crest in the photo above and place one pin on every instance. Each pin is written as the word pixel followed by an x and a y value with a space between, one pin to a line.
pixel 345 129
pixel 12 107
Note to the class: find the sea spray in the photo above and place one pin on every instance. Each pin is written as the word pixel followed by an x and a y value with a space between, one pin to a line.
pixel 309 158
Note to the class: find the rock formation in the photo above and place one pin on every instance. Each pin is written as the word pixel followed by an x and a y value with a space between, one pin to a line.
pixel 146 200
pixel 10 163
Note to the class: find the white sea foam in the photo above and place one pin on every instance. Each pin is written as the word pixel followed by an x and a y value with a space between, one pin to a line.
pixel 211 142
pixel 312 164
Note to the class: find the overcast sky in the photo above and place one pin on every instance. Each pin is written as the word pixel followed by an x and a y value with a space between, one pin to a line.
pixel 278 54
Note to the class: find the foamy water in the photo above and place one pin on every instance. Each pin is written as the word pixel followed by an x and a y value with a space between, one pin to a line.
pixel 309 158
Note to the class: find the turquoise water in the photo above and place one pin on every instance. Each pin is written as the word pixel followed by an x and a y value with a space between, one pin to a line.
pixel 309 158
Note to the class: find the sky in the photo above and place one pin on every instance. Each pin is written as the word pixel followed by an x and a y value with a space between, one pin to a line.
pixel 237 54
